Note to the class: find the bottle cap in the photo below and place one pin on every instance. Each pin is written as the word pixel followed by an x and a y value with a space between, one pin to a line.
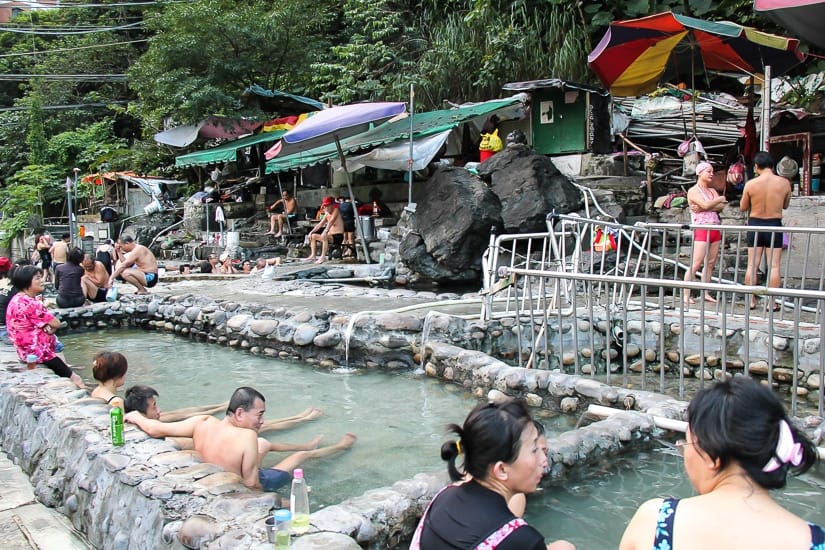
pixel 32 358
pixel 283 515
pixel 298 473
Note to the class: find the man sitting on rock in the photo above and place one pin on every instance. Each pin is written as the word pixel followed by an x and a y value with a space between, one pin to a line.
pixel 329 229
pixel 139 267
pixel 233 443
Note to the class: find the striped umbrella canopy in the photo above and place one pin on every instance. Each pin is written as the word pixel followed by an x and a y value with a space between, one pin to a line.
pixel 635 55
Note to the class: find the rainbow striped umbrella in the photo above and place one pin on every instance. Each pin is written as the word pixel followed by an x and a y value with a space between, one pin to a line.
pixel 635 55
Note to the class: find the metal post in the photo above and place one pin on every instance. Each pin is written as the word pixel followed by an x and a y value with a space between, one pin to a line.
pixel 765 126
pixel 412 114
pixel 72 225
pixel 348 177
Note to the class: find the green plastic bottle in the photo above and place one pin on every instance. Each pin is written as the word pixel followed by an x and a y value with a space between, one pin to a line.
pixel 116 426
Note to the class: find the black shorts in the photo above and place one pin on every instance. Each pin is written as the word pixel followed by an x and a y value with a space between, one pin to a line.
pixel 100 296
pixel 338 238
pixel 766 239
pixel 73 300
pixel 349 226
pixel 151 279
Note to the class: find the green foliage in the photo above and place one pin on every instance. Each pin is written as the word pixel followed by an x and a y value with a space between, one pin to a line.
pixel 26 190
pixel 36 137
pixel 88 148
pixel 377 61
pixel 206 52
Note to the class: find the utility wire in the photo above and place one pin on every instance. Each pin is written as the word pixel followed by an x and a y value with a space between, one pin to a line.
pixel 66 32
pixel 80 77
pixel 38 52
pixel 75 106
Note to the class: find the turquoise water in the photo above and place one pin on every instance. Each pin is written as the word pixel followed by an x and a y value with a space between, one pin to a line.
pixel 400 422
pixel 592 511
pixel 399 418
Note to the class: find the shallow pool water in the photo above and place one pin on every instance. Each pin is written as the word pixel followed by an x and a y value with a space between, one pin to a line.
pixel 400 421
pixel 592 511
pixel 400 418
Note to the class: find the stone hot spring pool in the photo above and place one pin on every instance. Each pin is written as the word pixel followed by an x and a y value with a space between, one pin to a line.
pixel 400 421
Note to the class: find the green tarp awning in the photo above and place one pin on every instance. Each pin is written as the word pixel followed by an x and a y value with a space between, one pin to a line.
pixel 423 124
pixel 225 152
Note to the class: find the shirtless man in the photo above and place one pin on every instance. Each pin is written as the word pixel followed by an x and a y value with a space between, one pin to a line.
pixel 333 230
pixel 59 250
pixel 764 197
pixel 138 267
pixel 233 443
pixel 290 206
pixel 95 280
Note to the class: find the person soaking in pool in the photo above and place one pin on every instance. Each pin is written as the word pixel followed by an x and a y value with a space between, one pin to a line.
pixel 31 327
pixel 233 443
pixel 738 445
pixel 109 369
pixel 144 400
pixel 499 445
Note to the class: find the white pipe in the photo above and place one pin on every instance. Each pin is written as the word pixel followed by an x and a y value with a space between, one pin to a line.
pixel 658 421
pixel 661 422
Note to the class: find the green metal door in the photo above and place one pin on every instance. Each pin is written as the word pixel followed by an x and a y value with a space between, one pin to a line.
pixel 559 121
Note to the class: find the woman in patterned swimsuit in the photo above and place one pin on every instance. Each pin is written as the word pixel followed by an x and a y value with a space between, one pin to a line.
pixel 740 444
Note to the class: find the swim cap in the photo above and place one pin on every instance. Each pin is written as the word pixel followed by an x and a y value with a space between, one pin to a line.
pixel 702 166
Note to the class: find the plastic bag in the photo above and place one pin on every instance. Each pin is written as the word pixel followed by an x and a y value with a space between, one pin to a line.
pixel 111 294
pixel 689 163
pixel 604 241
pixel 736 173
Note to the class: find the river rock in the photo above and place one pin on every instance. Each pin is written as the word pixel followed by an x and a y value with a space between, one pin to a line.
pixel 324 541
pixel 450 229
pixel 529 186
pixel 304 334
pixel 198 530
pixel 263 327
pixel 758 367
pixel 327 339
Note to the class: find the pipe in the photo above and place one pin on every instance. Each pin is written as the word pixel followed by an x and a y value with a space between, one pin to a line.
pixel 661 422
pixel 658 421
pixel 165 230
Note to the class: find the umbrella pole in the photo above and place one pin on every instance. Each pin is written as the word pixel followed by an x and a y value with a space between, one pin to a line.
pixel 281 193
pixel 348 177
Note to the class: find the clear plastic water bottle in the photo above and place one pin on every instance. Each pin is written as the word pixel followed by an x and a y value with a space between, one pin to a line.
pixel 283 519
pixel 299 503
pixel 58 346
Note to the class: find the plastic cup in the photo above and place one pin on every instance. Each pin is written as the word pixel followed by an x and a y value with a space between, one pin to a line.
pixel 31 361
pixel 270 529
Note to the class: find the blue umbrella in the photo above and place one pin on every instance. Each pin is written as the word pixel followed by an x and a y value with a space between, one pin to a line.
pixel 331 126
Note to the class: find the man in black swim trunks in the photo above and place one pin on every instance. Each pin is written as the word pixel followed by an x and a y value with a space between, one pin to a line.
pixel 139 267
pixel 329 229
pixel 763 198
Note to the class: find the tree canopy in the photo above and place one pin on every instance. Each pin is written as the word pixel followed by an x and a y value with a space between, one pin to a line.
pixel 143 66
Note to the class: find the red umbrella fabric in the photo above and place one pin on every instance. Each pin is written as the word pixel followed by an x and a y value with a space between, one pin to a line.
pixel 634 55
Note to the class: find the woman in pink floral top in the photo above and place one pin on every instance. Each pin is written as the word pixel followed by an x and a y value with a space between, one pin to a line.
pixel 30 325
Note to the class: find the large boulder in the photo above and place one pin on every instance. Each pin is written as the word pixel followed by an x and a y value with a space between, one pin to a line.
pixel 451 227
pixel 529 187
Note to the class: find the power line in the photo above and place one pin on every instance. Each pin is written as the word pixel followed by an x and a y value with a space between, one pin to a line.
pixel 75 106
pixel 80 77
pixel 38 52
pixel 89 30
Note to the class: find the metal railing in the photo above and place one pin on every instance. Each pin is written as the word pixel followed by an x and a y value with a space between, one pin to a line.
pixel 625 312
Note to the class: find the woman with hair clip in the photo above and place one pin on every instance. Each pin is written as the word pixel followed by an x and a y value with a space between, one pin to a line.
pixel 739 445
pixel 499 448
pixel 109 369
